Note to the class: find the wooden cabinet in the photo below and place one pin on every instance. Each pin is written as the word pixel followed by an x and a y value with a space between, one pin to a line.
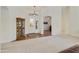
pixel 20 28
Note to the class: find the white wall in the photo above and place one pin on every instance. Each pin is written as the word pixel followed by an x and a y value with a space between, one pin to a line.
pixel 65 20
pixel 55 13
pixel 24 13
pixel 0 30
pixel 0 26
pixel 3 24
pixel 0 47
pixel 12 23
pixel 56 25
pixel 9 20
pixel 74 21
pixel 8 25
pixel 71 21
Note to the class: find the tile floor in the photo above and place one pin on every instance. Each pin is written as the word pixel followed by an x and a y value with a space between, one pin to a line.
pixel 49 44
pixel 36 35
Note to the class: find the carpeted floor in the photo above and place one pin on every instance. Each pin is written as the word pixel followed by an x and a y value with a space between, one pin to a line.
pixel 74 49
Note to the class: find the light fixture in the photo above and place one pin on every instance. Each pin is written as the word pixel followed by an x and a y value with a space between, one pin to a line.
pixel 34 17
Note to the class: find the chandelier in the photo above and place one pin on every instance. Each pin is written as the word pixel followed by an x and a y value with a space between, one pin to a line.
pixel 34 17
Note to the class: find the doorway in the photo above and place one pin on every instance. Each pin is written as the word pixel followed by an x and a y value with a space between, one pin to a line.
pixel 47 25
pixel 20 28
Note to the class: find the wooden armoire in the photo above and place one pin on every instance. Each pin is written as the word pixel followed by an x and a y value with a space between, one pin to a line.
pixel 20 28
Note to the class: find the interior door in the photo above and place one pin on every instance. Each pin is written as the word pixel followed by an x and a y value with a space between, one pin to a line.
pixel 20 28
